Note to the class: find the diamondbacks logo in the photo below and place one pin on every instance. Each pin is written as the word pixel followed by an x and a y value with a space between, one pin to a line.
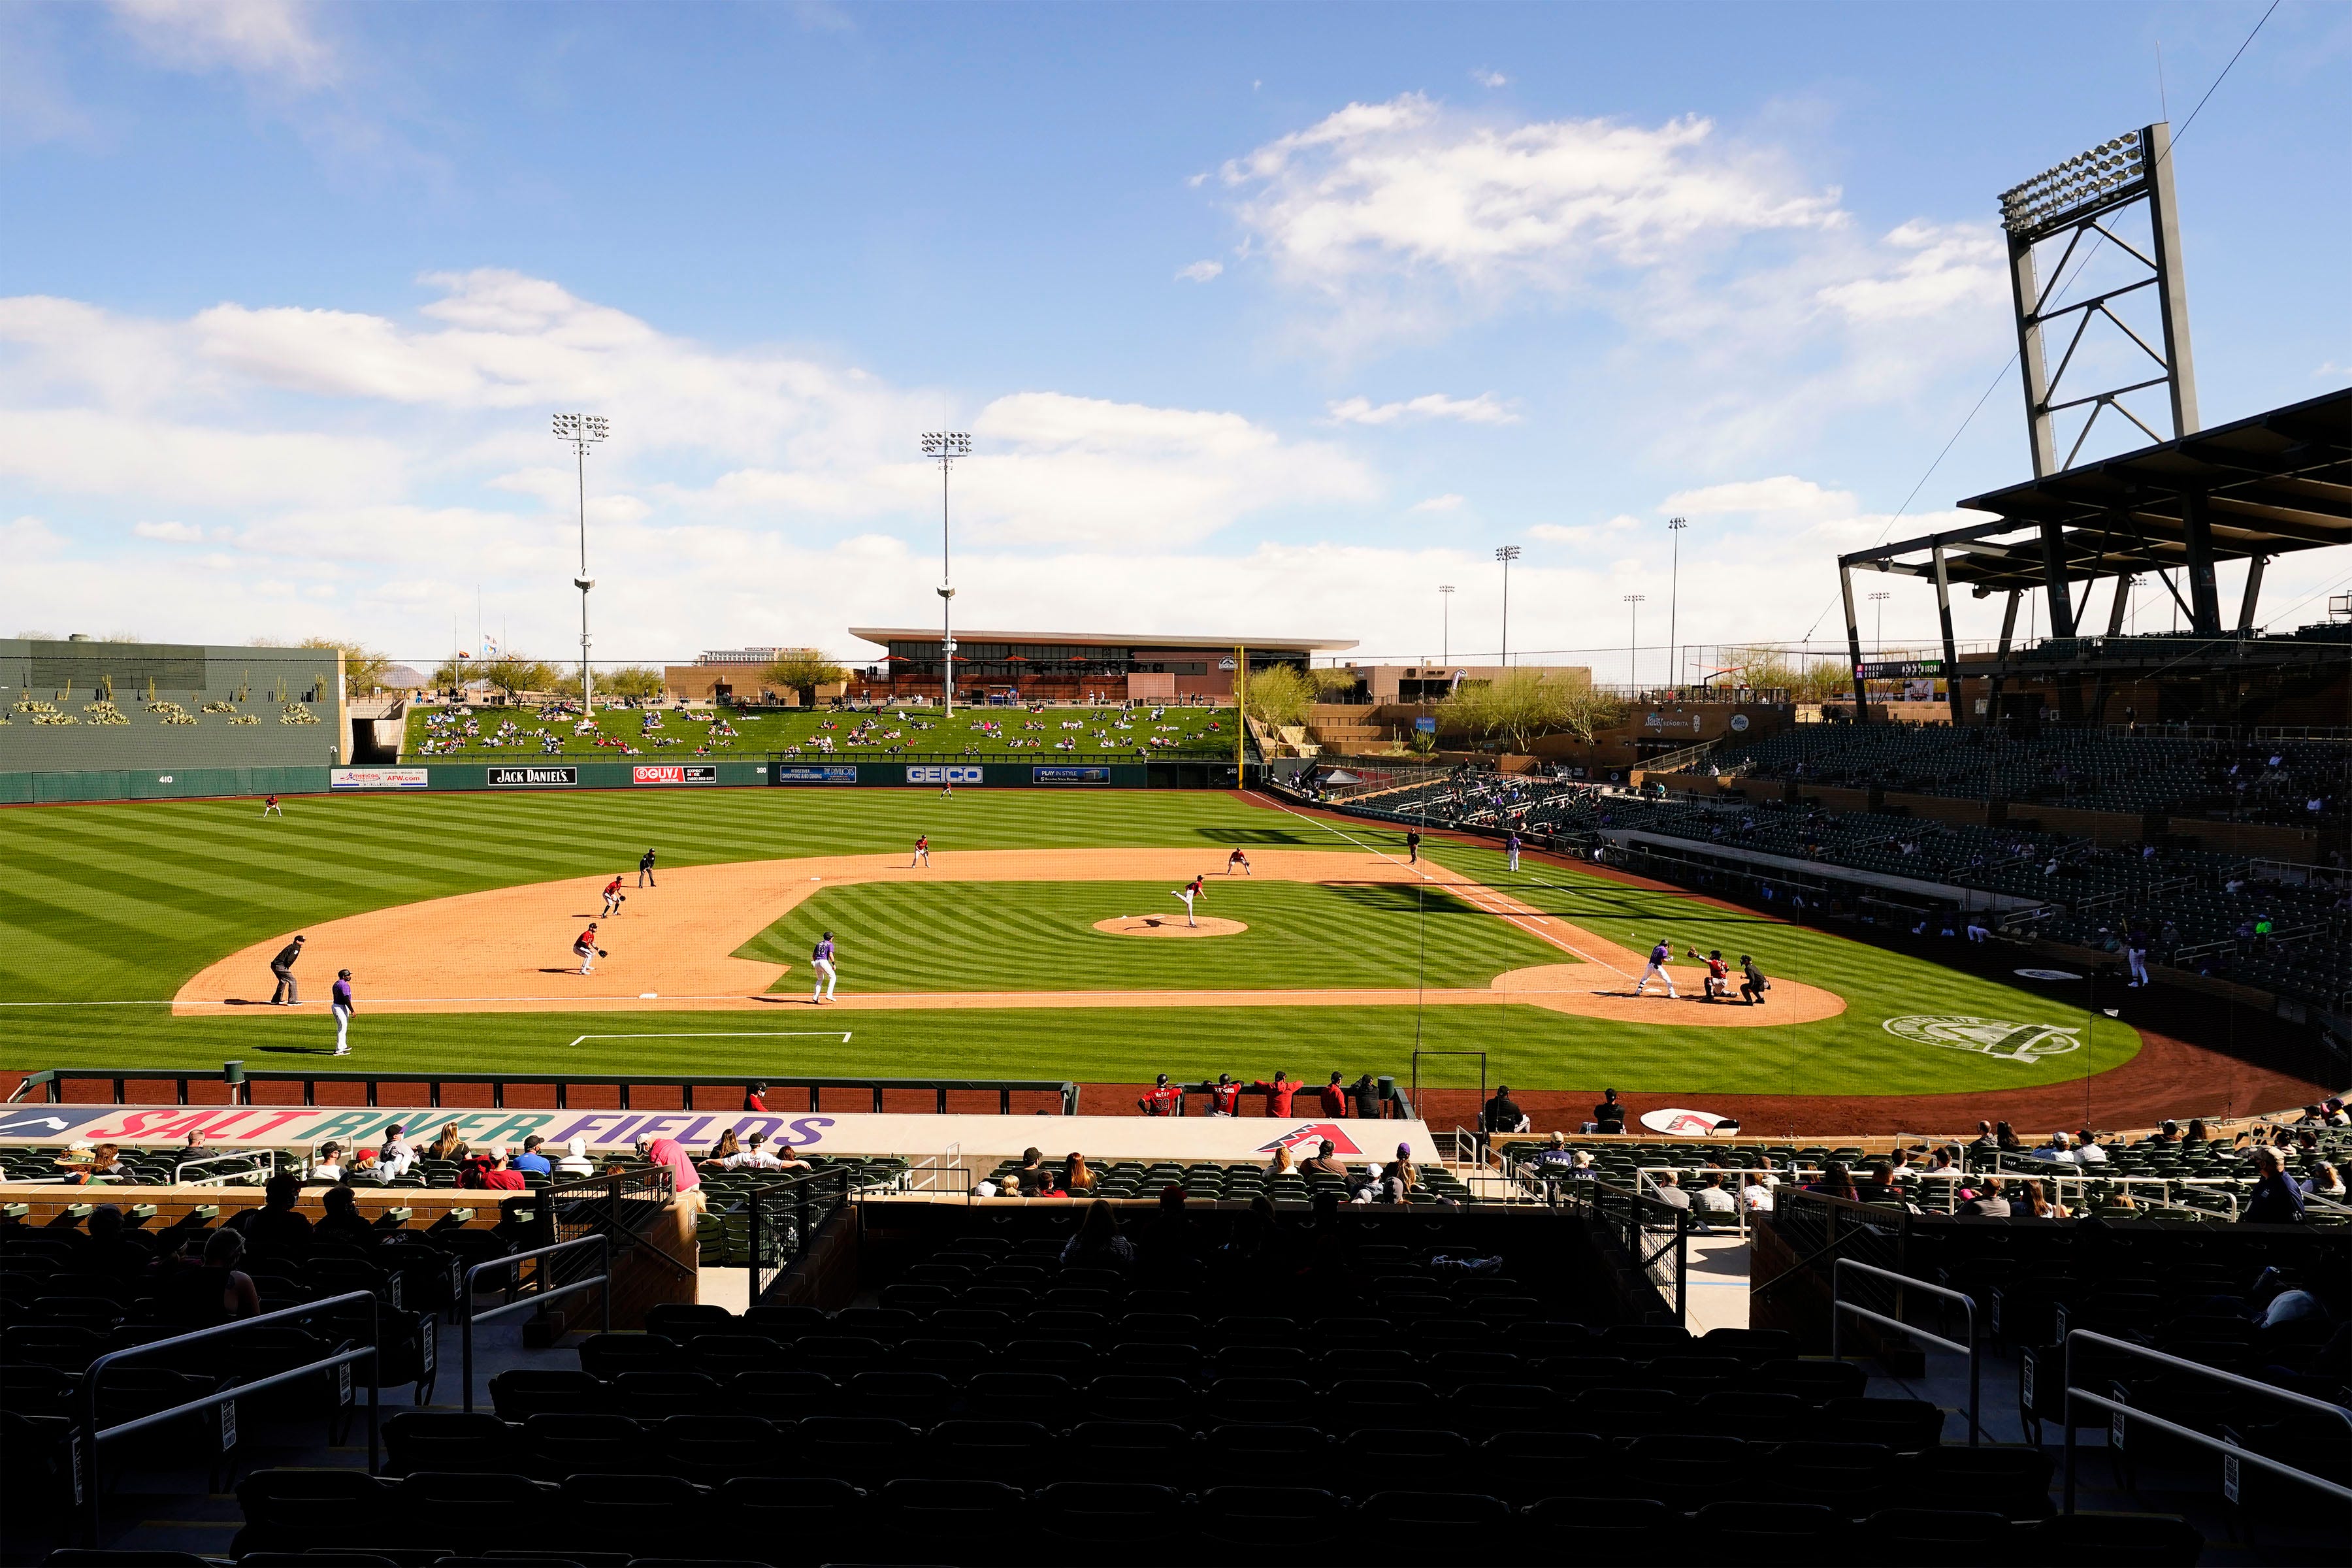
pixel 1991 1037
pixel 1310 1138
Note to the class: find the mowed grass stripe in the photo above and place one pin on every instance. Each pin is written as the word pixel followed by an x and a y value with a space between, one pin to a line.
pixel 1013 936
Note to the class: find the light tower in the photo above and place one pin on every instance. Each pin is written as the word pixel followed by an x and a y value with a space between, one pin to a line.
pixel 1878 635
pixel 1506 554
pixel 1633 645
pixel 1674 526
pixel 583 430
pixel 1445 623
pixel 946 447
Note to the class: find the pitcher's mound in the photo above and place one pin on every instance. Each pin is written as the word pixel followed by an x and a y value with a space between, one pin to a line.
pixel 1168 925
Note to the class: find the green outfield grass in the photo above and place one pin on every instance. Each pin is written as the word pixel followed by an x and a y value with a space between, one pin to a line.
pixel 1018 936
pixel 121 903
pixel 918 730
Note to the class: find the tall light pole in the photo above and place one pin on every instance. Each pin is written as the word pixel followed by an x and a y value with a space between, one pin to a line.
pixel 583 430
pixel 1506 554
pixel 1445 623
pixel 1879 636
pixel 946 447
pixel 1674 526
pixel 1633 645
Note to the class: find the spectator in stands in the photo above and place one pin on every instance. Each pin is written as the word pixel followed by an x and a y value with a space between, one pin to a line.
pixel 1162 1098
pixel 1985 1141
pixel 2336 1115
pixel 1669 1190
pixel 2005 1139
pixel 1609 1116
pixel 2167 1134
pixel 1323 1163
pixel 1503 1113
pixel 216 1291
pixel 755 1099
pixel 1712 1198
pixel 1990 1202
pixel 2059 1151
pixel 787 1157
pixel 1877 1182
pixel 2087 1148
pixel 105 1160
pixel 275 1230
pixel 1396 1185
pixel 488 1173
pixel 449 1146
pixel 342 1221
pixel 1278 1091
pixel 2274 1200
pixel 1758 1192
pixel 1553 1156
pixel 2038 1203
pixel 686 1181
pixel 1076 1180
pixel 2196 1134
pixel 575 1161
pixel 727 1148
pixel 329 1165
pixel 530 1159
pixel 1334 1096
pixel 1098 1244
pixel 1031 1172
pixel 1975 927
pixel 394 1160
pixel 2323 1182
pixel 1280 1164
pixel 1836 1182
pixel 753 1154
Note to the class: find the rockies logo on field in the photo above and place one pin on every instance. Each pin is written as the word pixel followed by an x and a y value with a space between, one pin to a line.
pixel 1993 1037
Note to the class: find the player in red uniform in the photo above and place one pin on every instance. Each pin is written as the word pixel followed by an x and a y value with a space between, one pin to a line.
pixel 1719 975
pixel 1240 859
pixel 584 947
pixel 1162 1098
pixel 1277 1093
pixel 1224 1096
pixel 613 897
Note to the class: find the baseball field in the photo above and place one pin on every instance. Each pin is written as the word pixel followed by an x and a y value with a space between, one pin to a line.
pixel 1045 938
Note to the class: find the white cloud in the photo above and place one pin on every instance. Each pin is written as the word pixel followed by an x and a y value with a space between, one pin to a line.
pixel 1448 502
pixel 1483 409
pixel 1200 271
pixel 1490 78
pixel 1939 266
pixel 1779 494
pixel 83 451
pixel 1408 186
pixel 270 40
pixel 170 533
pixel 1558 534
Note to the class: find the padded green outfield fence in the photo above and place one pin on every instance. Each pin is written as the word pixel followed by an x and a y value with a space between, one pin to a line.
pixel 173 784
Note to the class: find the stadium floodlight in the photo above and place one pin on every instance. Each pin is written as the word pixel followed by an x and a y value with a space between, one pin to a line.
pixel 1445 623
pixel 1674 526
pixel 583 431
pixel 1506 554
pixel 1633 645
pixel 1879 597
pixel 944 446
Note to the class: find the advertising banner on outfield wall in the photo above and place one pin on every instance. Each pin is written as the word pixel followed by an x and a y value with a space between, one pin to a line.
pixel 821 1132
pixel 1068 775
pixel 378 778
pixel 532 778
pixel 675 774
pixel 953 774
pixel 829 773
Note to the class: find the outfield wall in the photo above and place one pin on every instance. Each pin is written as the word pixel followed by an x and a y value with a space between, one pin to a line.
pixel 500 778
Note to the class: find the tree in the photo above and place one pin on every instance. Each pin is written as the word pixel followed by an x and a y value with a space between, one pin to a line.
pixel 802 672
pixel 363 667
pixel 1280 695
pixel 1806 678
pixel 1526 703
pixel 635 681
pixel 454 672
pixel 1328 683
pixel 514 675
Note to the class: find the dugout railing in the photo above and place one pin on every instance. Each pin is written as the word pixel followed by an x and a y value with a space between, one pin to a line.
pixel 50 1082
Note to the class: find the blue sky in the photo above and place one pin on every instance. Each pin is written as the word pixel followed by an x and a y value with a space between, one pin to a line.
pixel 1264 319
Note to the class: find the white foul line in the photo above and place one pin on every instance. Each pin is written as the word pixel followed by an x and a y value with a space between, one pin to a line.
pixel 731 1035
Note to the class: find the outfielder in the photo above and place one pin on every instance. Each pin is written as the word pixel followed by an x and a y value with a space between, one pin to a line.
pixel 827 977
pixel 584 947
pixel 269 806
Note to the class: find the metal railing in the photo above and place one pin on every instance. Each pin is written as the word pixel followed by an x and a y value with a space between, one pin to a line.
pixel 2121 1411
pixel 260 1162
pixel 785 1213
pixel 89 1434
pixel 51 1081
pixel 547 1292
pixel 1840 1307
pixel 1630 1220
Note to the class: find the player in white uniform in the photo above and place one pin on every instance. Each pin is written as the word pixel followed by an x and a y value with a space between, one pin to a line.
pixel 821 960
pixel 1657 969
pixel 1188 892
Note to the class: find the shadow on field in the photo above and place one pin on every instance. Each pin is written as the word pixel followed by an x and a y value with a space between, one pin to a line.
pixel 1260 835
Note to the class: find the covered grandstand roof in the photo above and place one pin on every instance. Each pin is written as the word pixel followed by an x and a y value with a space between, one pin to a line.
pixel 2277 482
pixel 888 635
